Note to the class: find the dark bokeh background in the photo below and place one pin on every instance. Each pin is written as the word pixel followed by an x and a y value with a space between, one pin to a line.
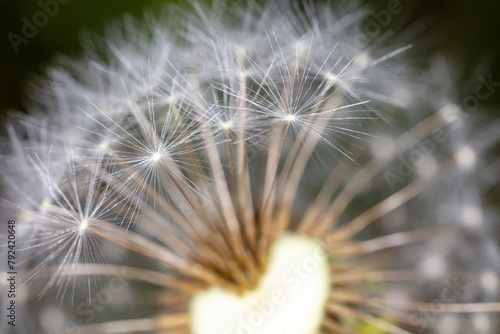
pixel 468 29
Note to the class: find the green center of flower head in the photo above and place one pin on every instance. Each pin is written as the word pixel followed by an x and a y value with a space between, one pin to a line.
pixel 290 298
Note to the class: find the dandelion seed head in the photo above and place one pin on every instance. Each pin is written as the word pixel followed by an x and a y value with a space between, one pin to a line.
pixel 201 153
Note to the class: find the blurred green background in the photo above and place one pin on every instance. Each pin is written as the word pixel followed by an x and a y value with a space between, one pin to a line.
pixel 467 28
